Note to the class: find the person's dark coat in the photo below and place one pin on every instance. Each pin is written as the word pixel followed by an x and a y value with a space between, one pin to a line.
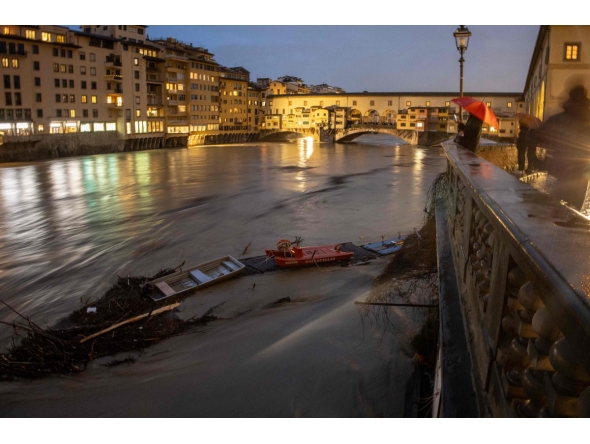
pixel 470 139
pixel 566 137
pixel 526 147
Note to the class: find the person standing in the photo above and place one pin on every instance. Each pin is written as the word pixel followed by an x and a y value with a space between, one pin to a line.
pixel 526 150
pixel 521 146
pixel 566 137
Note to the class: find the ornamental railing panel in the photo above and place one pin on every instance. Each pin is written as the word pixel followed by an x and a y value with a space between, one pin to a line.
pixel 523 265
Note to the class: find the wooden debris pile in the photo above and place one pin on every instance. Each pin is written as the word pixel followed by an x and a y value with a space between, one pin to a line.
pixel 123 320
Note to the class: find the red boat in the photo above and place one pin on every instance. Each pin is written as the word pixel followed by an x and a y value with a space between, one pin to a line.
pixel 295 256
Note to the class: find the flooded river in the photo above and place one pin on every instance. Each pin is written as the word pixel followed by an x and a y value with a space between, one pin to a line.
pixel 68 226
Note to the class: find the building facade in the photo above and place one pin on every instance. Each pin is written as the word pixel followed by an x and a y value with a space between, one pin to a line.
pixel 191 99
pixel 560 61
pixel 233 92
pixel 57 80
pixel 256 107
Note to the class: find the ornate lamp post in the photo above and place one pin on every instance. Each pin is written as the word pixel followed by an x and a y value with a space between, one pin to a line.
pixel 462 35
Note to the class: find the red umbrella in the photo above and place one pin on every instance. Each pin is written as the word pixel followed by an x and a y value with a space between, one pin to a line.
pixel 478 109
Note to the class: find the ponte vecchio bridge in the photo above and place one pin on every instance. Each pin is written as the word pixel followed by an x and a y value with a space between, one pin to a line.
pixel 404 115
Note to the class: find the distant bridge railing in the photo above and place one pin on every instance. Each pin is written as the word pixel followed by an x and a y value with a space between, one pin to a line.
pixel 522 264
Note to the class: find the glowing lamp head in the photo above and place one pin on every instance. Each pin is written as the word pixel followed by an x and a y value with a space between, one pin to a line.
pixel 462 35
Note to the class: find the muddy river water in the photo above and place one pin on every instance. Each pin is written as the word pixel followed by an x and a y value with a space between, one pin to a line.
pixel 69 226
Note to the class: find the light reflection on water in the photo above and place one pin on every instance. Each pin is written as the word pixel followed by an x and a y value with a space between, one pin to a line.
pixel 68 226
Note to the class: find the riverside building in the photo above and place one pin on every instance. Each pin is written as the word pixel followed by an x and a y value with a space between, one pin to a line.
pixel 105 79
pixel 233 90
pixel 57 80
pixel 191 99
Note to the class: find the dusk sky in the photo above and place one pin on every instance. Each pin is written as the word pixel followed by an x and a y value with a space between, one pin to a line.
pixel 380 47
pixel 371 58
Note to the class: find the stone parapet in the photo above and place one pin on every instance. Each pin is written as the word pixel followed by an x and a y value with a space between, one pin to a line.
pixel 522 265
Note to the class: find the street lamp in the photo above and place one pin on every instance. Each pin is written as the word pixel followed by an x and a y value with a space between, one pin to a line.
pixel 462 35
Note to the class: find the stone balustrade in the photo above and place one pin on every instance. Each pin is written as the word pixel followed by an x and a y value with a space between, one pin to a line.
pixel 522 262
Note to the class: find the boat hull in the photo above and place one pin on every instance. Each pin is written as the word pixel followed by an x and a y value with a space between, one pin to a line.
pixel 306 256
pixel 386 247
pixel 196 277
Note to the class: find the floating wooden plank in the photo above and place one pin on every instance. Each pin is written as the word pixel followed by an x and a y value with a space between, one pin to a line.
pixel 387 304
pixel 129 321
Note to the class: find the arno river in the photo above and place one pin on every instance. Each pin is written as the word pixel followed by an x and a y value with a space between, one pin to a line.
pixel 68 226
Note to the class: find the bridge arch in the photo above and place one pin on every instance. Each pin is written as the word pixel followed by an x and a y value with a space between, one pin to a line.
pixel 371 116
pixel 356 116
pixel 389 117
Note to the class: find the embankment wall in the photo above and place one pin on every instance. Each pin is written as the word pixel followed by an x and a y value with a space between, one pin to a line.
pixel 53 146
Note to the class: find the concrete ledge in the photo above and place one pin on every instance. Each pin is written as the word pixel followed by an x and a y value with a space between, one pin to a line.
pixel 458 393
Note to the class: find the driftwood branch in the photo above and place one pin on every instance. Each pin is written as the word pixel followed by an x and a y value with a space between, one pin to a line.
pixel 396 305
pixel 129 321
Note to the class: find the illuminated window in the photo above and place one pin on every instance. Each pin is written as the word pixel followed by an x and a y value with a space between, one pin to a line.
pixel 138 113
pixel 63 68
pixel 338 102
pixel 428 103
pixel 447 103
pixel 84 99
pixel 30 34
pixel 61 38
pixel 572 51
pixel 98 126
pixel 45 36
pixel 135 61
pixel 509 104
pixel 488 104
pixel 6 30
pixel 73 113
pixel 56 67
pixel 15 63
pixel 94 99
pixel 408 103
